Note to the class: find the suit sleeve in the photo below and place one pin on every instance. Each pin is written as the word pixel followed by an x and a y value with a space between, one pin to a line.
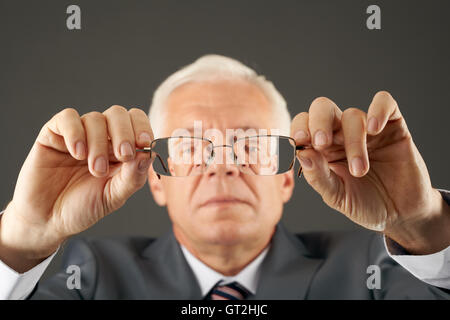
pixel 77 255
pixel 433 268
pixel 397 283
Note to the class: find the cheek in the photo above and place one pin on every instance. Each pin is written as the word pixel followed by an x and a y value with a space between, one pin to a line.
pixel 270 195
pixel 274 200
pixel 178 195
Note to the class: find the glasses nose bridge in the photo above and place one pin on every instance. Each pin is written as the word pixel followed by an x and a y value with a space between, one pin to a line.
pixel 222 145
pixel 214 158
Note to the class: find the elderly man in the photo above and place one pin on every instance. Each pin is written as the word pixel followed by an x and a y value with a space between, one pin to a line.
pixel 224 194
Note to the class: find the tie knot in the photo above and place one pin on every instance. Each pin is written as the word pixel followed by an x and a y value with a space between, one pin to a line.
pixel 230 291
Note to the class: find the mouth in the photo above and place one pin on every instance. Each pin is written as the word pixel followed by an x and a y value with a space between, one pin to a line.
pixel 222 202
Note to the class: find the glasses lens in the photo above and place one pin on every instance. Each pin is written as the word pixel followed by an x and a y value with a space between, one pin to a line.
pixel 264 155
pixel 181 156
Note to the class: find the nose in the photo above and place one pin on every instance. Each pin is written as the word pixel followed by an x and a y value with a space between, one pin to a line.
pixel 223 162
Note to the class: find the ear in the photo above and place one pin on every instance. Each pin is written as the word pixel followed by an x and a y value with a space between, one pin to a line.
pixel 156 187
pixel 287 185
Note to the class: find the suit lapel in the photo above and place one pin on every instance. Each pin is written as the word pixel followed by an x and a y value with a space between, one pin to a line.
pixel 287 270
pixel 170 276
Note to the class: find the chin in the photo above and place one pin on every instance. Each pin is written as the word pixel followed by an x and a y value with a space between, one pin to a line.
pixel 228 232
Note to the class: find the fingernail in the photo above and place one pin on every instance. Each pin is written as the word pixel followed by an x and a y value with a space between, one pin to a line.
pixel 320 138
pixel 357 166
pixel 300 135
pixel 80 149
pixel 144 138
pixel 100 165
pixel 372 125
pixel 126 150
pixel 143 165
pixel 306 163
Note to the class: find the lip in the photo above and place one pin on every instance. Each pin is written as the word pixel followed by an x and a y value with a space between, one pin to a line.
pixel 223 201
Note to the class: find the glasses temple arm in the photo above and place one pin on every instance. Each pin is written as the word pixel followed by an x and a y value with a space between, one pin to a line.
pixel 297 148
pixel 149 149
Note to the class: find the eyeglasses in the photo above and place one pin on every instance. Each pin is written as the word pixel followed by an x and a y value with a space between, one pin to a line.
pixel 184 156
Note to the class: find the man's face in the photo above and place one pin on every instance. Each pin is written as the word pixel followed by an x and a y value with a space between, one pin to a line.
pixel 222 206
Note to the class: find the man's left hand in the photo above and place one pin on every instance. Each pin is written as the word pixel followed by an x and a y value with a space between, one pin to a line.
pixel 366 166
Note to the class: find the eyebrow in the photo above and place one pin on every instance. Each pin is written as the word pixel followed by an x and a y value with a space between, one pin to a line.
pixel 245 128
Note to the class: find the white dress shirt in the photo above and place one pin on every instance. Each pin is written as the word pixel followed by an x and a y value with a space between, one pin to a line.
pixel 207 277
pixel 17 286
pixel 433 269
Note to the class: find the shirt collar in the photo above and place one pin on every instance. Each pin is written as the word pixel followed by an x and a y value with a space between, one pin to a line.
pixel 207 277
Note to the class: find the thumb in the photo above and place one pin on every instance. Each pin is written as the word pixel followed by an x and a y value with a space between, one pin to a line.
pixel 319 176
pixel 127 178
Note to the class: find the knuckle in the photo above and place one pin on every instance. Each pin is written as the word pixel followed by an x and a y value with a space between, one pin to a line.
pixel 383 94
pixel 320 102
pixel 93 115
pixel 300 116
pixel 137 112
pixel 352 112
pixel 69 112
pixel 116 109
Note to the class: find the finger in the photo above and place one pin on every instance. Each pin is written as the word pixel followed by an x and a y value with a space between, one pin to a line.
pixel 382 109
pixel 318 174
pixel 324 118
pixel 300 130
pixel 121 132
pixel 111 156
pixel 338 137
pixel 65 133
pixel 97 142
pixel 354 128
pixel 141 125
pixel 130 177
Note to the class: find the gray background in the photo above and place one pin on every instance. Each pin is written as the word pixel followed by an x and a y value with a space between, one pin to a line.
pixel 307 48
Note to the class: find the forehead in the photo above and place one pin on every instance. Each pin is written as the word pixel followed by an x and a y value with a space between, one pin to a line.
pixel 222 105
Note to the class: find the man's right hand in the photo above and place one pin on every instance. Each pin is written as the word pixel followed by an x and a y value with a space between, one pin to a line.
pixel 79 170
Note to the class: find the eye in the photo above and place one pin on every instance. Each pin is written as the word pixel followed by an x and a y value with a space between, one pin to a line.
pixel 250 148
pixel 185 149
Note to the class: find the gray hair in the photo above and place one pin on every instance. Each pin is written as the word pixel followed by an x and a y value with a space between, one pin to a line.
pixel 213 67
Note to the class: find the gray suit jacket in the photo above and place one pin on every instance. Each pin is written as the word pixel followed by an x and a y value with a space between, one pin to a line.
pixel 304 266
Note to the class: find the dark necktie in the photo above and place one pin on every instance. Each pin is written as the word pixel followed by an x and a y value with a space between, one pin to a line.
pixel 230 291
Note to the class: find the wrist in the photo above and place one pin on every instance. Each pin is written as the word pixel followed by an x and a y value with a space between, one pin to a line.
pixel 428 234
pixel 22 247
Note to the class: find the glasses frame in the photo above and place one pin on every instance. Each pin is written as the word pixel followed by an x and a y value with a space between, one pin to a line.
pixel 296 148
